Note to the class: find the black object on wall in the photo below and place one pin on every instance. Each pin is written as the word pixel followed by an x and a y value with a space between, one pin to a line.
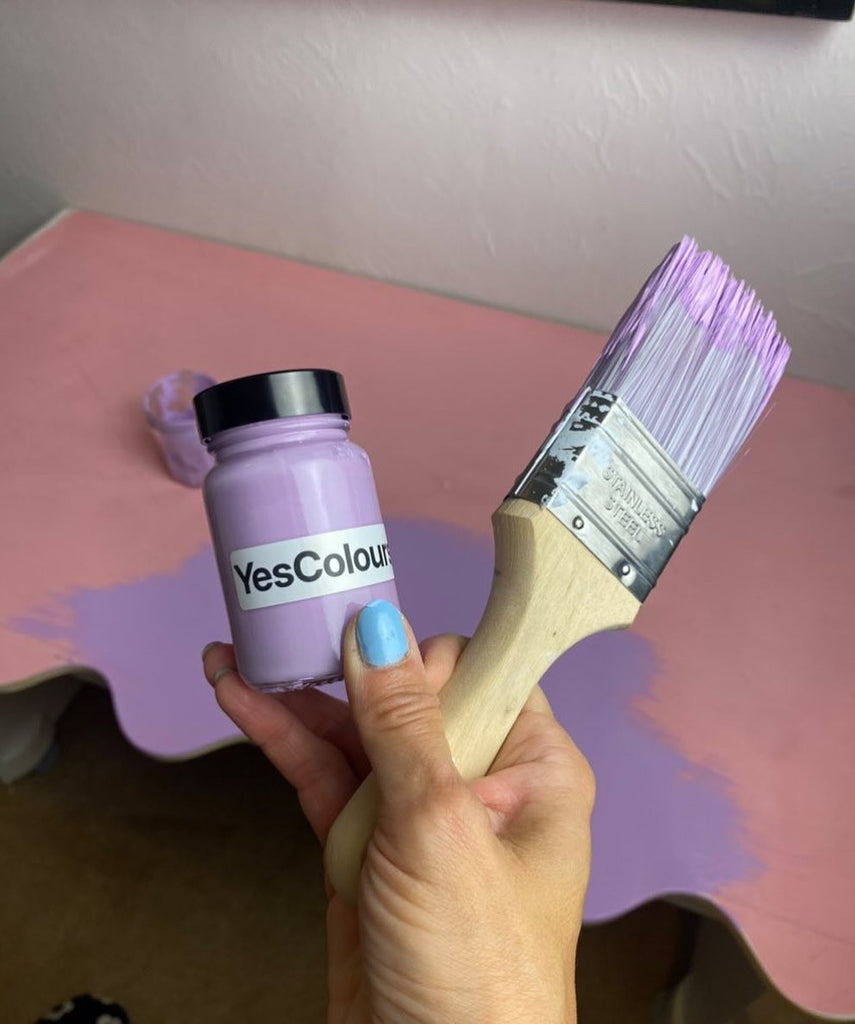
pixel 832 10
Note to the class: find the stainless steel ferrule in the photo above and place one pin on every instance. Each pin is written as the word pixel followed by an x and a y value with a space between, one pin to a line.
pixel 611 484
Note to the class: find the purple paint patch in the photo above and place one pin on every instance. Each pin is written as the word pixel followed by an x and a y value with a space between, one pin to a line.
pixel 145 638
pixel 660 825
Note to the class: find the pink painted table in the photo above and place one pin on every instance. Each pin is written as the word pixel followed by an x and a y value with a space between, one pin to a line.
pixel 720 727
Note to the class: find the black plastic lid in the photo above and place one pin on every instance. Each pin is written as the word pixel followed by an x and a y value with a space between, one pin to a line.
pixel 269 396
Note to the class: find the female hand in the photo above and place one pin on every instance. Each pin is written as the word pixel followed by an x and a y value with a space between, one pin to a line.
pixel 470 898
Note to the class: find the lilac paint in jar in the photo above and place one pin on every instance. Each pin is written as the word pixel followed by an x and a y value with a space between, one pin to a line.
pixel 295 522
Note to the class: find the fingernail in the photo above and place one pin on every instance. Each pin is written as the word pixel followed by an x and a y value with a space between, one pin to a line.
pixel 209 647
pixel 221 673
pixel 380 634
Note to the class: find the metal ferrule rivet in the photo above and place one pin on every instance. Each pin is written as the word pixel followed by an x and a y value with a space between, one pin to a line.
pixel 604 476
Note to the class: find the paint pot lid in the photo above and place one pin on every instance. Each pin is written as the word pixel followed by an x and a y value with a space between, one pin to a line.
pixel 269 396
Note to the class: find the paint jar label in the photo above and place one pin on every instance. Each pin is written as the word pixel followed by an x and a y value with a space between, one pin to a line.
pixel 305 567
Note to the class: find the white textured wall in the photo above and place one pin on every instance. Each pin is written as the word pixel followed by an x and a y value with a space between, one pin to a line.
pixel 540 154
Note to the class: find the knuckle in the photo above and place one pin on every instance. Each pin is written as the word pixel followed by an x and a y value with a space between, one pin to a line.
pixel 442 820
pixel 403 706
pixel 271 737
pixel 577 770
pixel 573 777
pixel 583 781
pixel 447 799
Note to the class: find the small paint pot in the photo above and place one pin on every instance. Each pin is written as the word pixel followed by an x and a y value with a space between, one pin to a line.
pixel 295 521
pixel 168 408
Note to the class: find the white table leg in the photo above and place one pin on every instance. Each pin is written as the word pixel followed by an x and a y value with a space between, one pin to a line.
pixel 722 984
pixel 27 721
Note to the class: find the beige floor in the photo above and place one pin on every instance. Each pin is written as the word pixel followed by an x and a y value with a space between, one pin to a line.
pixel 191 892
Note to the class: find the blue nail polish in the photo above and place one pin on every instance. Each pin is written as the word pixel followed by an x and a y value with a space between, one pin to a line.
pixel 380 634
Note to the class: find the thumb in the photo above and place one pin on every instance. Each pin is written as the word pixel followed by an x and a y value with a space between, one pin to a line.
pixel 395 711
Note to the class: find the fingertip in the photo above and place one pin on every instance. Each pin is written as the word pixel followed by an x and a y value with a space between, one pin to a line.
pixel 237 698
pixel 381 637
pixel 538 701
pixel 357 653
pixel 440 654
pixel 218 657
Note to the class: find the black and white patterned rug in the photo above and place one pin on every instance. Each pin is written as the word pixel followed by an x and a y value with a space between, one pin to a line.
pixel 86 1010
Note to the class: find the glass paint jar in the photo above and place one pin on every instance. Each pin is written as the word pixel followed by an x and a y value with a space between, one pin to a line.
pixel 295 522
pixel 168 408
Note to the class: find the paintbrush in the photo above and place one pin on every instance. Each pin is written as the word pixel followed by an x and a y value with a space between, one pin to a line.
pixel 589 526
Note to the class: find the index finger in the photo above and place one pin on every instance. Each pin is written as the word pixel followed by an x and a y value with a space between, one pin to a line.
pixel 317 768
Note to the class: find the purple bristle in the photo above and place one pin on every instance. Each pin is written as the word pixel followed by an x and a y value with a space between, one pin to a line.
pixel 695 358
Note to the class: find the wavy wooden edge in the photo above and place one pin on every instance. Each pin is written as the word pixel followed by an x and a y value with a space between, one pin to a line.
pixel 703 905
pixel 85 675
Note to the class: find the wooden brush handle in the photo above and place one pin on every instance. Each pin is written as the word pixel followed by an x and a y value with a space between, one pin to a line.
pixel 548 593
